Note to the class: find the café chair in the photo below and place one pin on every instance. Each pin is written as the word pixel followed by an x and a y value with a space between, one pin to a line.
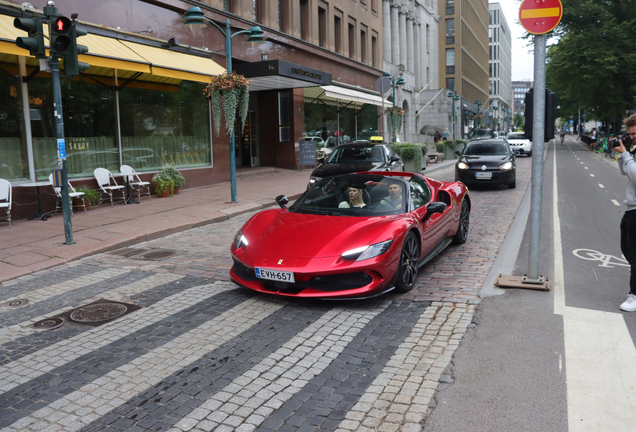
pixel 5 198
pixel 134 181
pixel 107 184
pixel 72 193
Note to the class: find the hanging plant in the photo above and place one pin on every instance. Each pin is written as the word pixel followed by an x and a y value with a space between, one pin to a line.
pixel 394 120
pixel 232 90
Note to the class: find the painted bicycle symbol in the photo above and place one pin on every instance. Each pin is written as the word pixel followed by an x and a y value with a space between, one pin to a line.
pixel 607 260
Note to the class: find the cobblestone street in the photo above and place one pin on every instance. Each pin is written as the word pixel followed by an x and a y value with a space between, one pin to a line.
pixel 203 354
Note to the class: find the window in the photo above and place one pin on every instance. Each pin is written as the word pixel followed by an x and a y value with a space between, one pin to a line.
pixel 258 10
pixel 322 27
pixel 374 6
pixel 489 35
pixel 283 15
pixel 228 5
pixel 450 84
pixel 420 192
pixel 304 19
pixel 352 40
pixel 337 30
pixel 363 46
pixel 450 60
pixel 374 51
pixel 450 7
pixel 14 163
pixel 450 31
pixel 283 116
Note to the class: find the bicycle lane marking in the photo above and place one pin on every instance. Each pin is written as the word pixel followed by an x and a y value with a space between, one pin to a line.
pixel 599 353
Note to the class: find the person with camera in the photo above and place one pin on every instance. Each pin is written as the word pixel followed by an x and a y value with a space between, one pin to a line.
pixel 627 165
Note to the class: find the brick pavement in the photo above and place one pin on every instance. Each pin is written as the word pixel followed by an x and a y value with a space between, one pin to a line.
pixel 202 354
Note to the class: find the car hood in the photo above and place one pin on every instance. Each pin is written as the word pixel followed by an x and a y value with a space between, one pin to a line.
pixel 326 170
pixel 518 141
pixel 313 236
pixel 489 161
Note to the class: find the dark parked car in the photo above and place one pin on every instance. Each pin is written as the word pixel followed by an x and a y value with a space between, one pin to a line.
pixel 481 133
pixel 486 161
pixel 357 157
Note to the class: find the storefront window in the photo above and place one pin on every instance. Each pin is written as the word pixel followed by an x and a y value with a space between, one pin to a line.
pixel 159 127
pixel 89 127
pixel 322 120
pixel 14 162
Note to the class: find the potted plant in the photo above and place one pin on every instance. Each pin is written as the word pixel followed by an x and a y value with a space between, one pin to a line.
pixel 233 90
pixel 164 185
pixel 91 197
pixel 412 154
pixel 169 173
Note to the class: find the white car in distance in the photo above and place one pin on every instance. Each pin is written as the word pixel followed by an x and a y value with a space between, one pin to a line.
pixel 518 141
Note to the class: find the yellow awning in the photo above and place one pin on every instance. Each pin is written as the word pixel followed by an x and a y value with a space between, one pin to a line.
pixel 105 52
pixel 175 64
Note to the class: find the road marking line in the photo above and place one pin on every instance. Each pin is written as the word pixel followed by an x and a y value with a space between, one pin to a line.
pixel 558 282
pixel 581 163
pixel 586 168
pixel 616 202
pixel 601 186
pixel 591 175
pixel 600 358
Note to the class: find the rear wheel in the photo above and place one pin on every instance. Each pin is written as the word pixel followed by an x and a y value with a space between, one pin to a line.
pixel 464 223
pixel 407 268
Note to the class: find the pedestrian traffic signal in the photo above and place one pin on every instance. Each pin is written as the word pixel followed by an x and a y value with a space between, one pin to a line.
pixel 60 38
pixel 35 42
pixel 72 66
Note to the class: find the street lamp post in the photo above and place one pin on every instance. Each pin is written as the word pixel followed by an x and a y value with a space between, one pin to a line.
pixel 454 97
pixel 478 103
pixel 496 117
pixel 399 81
pixel 196 19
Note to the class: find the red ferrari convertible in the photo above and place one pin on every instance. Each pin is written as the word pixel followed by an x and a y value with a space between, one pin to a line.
pixel 351 236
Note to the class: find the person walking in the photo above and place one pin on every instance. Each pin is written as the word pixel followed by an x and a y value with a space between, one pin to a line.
pixel 627 166
pixel 446 134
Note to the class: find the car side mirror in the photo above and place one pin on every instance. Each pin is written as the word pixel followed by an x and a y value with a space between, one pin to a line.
pixel 282 201
pixel 458 153
pixel 394 159
pixel 434 207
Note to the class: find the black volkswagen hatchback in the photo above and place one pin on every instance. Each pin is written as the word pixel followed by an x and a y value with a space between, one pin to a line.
pixel 486 161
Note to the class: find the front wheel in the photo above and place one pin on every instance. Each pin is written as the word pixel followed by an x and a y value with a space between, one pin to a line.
pixel 407 268
pixel 512 185
pixel 461 235
pixel 529 153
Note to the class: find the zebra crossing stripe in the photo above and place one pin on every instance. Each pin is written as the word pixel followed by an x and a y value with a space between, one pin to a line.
pixel 282 374
pixel 26 328
pixel 30 366
pixel 112 390
pixel 43 294
pixel 399 397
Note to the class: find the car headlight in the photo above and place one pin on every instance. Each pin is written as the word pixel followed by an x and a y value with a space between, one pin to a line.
pixel 462 166
pixel 366 252
pixel 506 166
pixel 239 240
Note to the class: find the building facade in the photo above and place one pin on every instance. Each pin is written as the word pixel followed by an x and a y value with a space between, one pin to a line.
pixel 500 68
pixel 520 88
pixel 141 102
pixel 463 56
pixel 410 44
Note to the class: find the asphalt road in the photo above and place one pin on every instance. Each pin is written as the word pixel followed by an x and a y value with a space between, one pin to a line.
pixel 563 360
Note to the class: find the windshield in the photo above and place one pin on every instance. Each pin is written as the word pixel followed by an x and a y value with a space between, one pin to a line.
pixel 354 195
pixel 516 136
pixel 480 133
pixel 487 149
pixel 370 153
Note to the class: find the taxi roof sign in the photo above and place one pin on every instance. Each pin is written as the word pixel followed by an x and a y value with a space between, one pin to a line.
pixel 376 138
pixel 540 16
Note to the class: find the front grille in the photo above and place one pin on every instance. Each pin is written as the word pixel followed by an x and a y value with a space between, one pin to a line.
pixel 243 272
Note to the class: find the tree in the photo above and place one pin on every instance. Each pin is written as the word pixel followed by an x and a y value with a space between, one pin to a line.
pixel 591 66
pixel 519 120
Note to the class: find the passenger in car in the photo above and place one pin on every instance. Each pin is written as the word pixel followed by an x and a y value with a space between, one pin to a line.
pixel 394 200
pixel 355 198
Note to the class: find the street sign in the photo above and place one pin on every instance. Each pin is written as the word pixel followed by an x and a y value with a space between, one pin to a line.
pixel 383 84
pixel 540 16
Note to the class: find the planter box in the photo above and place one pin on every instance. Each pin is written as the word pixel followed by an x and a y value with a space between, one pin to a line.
pixel 409 166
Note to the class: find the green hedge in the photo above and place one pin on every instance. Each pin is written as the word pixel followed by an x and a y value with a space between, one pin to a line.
pixel 411 152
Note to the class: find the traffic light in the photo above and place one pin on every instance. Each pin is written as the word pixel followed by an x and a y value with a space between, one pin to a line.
pixel 35 42
pixel 72 66
pixel 548 126
pixel 60 35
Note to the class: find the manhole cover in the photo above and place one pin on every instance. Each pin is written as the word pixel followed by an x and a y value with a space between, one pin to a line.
pixel 98 312
pixel 157 254
pixel 49 323
pixel 128 252
pixel 16 303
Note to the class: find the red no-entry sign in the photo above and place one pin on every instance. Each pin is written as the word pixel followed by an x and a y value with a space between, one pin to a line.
pixel 540 16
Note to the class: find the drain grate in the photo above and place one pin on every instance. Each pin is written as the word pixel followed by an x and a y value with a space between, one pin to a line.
pixel 49 323
pixel 157 254
pixel 15 303
pixel 127 252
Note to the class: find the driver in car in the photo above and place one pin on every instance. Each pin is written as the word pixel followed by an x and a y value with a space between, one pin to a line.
pixel 394 200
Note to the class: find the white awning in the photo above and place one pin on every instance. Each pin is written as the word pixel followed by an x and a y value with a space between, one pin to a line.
pixel 352 95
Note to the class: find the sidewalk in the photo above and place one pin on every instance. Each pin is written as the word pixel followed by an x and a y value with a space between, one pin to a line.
pixel 36 245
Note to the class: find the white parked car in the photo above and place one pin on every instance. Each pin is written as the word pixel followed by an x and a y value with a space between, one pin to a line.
pixel 518 141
